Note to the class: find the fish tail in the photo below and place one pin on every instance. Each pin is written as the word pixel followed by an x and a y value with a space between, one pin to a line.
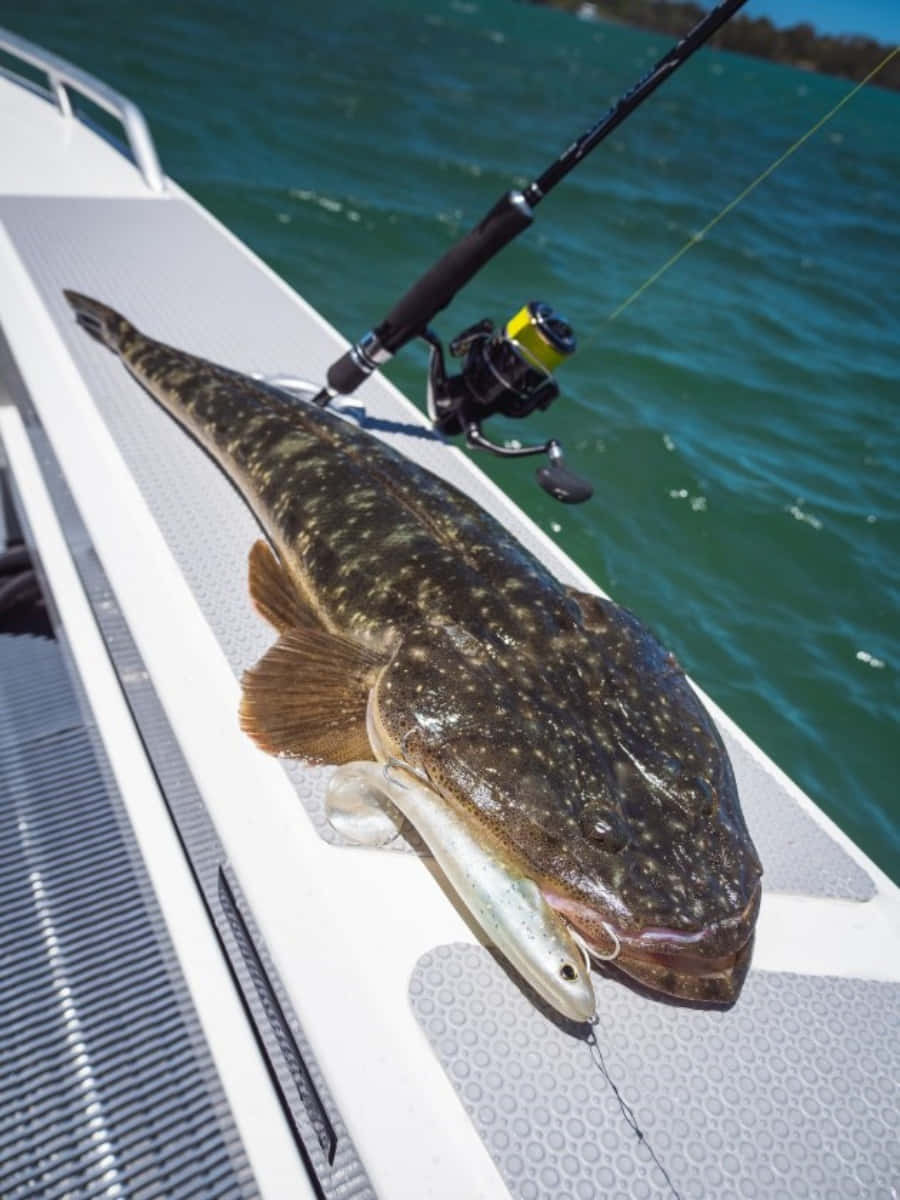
pixel 100 321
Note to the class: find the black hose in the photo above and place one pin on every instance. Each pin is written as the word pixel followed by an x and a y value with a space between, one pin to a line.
pixel 14 559
pixel 21 589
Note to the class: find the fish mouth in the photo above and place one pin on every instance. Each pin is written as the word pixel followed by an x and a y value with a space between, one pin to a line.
pixel 706 966
pixel 716 981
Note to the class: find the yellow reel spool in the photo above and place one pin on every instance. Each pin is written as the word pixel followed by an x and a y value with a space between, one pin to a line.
pixel 543 336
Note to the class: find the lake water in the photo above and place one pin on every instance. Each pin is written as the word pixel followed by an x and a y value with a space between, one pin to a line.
pixel 739 421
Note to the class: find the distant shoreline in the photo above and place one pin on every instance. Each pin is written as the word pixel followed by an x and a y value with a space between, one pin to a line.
pixel 848 56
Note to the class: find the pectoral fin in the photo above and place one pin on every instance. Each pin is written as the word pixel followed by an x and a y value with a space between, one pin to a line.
pixel 274 594
pixel 306 697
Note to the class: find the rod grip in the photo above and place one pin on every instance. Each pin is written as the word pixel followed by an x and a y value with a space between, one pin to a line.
pixel 434 291
pixel 345 375
pixel 437 287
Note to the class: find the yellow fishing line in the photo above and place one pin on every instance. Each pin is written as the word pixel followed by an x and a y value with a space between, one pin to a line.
pixel 697 237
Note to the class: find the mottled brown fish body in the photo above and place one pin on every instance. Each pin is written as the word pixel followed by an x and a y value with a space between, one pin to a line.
pixel 553 717
pixel 378 539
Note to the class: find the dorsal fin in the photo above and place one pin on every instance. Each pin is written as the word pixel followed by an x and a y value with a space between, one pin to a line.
pixel 274 594
pixel 307 696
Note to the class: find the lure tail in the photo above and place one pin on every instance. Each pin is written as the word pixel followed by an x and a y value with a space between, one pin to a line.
pixel 100 321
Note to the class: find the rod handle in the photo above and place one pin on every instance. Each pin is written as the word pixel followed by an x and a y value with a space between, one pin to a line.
pixel 432 292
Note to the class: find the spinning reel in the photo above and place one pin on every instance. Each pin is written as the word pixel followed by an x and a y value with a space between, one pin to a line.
pixel 506 371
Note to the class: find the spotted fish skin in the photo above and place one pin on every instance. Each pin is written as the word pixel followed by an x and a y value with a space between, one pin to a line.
pixel 382 540
pixel 554 717
pixel 598 760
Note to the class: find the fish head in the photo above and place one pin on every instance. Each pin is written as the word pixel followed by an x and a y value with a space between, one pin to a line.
pixel 600 773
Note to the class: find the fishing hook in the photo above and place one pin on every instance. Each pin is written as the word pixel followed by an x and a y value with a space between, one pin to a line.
pixel 618 946
pixel 403 764
pixel 586 954
pixel 397 764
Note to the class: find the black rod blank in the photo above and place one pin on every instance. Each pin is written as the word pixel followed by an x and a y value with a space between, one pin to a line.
pixel 679 54
pixel 511 214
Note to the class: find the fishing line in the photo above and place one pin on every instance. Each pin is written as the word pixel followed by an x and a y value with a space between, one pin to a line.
pixel 698 237
pixel 627 1111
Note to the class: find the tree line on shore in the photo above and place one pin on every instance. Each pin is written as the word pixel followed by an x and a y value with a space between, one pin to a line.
pixel 851 56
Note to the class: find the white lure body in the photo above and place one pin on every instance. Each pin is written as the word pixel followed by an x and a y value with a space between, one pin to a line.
pixel 507 905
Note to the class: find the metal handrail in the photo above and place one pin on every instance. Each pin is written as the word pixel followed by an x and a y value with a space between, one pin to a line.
pixel 62 76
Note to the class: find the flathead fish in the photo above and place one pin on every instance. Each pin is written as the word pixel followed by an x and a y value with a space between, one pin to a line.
pixel 542 742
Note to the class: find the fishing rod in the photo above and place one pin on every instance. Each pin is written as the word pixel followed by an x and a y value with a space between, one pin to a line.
pixel 510 370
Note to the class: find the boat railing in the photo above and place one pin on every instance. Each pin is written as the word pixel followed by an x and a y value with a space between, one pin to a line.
pixel 63 77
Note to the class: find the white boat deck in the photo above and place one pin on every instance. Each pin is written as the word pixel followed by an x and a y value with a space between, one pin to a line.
pixel 440 1075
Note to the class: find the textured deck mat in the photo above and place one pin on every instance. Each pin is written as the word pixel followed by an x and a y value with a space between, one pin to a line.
pixel 746 1103
pixel 132 254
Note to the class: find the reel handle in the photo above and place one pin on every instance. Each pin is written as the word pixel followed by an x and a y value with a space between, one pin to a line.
pixel 555 478
pixel 558 481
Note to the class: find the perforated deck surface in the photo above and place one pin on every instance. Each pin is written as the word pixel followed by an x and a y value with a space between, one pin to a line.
pixel 787 1095
pixel 791 1094
pixel 108 1086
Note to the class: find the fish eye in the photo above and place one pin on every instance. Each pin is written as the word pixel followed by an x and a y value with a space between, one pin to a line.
pixel 568 972
pixel 606 827
pixel 703 792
